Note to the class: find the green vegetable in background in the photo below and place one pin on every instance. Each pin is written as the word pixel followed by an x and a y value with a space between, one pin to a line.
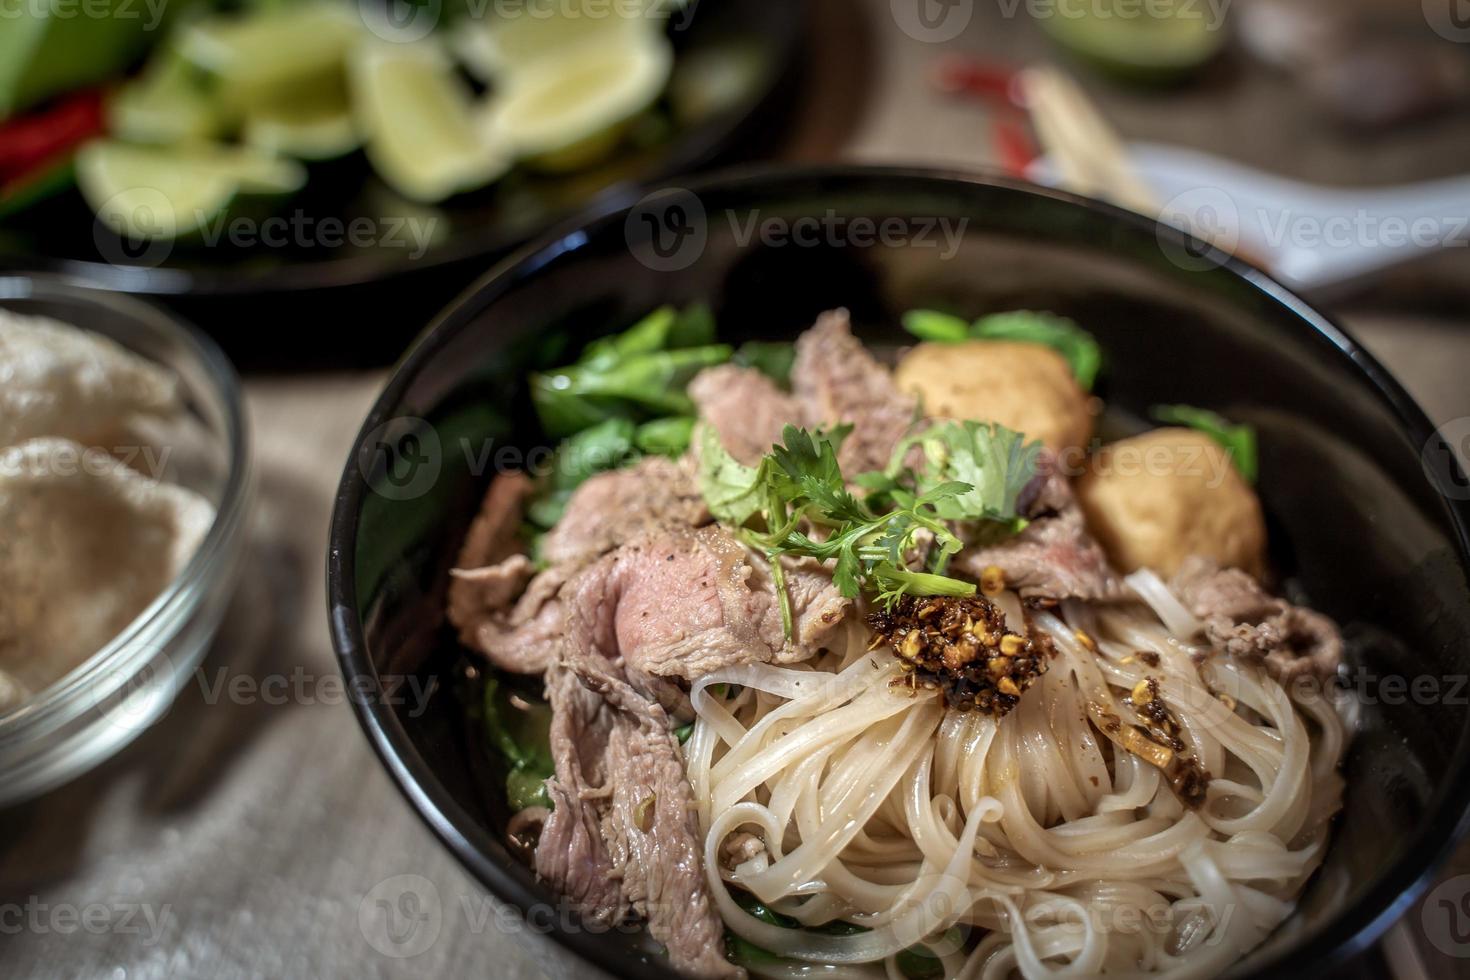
pixel 771 358
pixel 665 437
pixel 51 46
pixel 519 729
pixel 1057 332
pixel 1239 441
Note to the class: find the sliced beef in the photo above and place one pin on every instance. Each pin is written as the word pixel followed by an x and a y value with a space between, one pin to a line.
pixel 570 853
pixel 623 835
pixel 1243 619
pixel 684 603
pixel 615 507
pixel 837 380
pixel 1055 556
pixel 746 408
pixel 493 534
pixel 517 634
pixel 512 614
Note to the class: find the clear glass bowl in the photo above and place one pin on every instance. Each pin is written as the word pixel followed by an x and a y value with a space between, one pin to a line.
pixel 104 703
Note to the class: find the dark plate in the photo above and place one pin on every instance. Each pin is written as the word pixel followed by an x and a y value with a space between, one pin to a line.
pixel 758 38
pixel 1361 525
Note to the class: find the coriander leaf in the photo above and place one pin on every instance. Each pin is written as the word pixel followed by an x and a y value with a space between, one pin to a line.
pixel 732 490
pixel 993 462
pixel 1056 332
pixel 771 358
pixel 665 437
pixel 936 327
pixel 1238 441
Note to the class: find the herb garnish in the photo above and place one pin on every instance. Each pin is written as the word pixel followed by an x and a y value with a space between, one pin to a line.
pixel 796 502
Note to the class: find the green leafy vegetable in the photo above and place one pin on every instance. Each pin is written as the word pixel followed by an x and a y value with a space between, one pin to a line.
pixel 936 327
pixel 519 728
pixel 1238 441
pixel 637 374
pixel 683 732
pixel 665 437
pixel 771 358
pixel 1057 332
pixel 648 384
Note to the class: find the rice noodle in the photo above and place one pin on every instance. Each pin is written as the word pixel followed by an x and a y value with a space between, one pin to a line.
pixel 1032 845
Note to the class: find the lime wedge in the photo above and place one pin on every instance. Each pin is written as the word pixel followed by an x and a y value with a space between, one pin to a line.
pixel 163 105
pixel 423 133
pixel 171 192
pixel 1155 42
pixel 313 129
pixel 269 57
pixel 495 46
pixel 569 108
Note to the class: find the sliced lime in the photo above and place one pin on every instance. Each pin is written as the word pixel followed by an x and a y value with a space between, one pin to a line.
pixel 496 46
pixel 313 129
pixel 567 109
pixel 423 133
pixel 1158 41
pixel 166 104
pixel 269 57
pixel 171 192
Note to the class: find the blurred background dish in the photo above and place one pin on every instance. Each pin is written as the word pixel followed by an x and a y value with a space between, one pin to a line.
pixel 312 150
pixel 67 724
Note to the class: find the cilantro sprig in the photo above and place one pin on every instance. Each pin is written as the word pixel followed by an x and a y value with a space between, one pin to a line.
pixel 796 502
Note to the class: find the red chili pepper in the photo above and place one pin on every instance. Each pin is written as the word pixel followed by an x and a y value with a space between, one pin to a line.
pixel 959 75
pixel 1013 146
pixel 31 142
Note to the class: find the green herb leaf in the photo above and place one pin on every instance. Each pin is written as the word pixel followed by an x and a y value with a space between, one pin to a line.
pixel 771 358
pixel 1056 332
pixel 683 732
pixel 1238 441
pixel 605 446
pixel 994 462
pixel 936 327
pixel 733 491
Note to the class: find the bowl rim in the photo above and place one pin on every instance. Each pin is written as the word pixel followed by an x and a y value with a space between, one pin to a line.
pixel 1447 819
pixel 114 663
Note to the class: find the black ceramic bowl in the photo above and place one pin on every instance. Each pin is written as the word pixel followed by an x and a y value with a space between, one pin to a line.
pixel 1367 509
